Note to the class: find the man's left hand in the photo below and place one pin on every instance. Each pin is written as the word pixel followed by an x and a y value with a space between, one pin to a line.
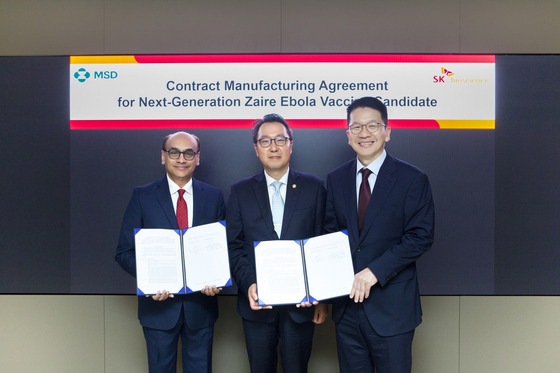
pixel 321 312
pixel 210 290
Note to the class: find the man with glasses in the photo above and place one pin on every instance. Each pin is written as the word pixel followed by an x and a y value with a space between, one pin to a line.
pixel 279 203
pixel 175 201
pixel 386 205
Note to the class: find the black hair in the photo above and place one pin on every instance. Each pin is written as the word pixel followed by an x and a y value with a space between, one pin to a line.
pixel 269 118
pixel 370 102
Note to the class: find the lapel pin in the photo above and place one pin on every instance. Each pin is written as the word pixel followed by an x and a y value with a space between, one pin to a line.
pixel 294 186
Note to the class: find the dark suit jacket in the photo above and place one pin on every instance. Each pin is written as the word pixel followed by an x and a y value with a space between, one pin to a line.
pixel 398 228
pixel 151 207
pixel 249 219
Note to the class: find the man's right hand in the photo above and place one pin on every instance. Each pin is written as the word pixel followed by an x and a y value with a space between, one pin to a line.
pixel 161 296
pixel 254 299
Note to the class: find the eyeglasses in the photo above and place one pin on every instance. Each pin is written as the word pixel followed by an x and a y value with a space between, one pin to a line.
pixel 176 153
pixel 265 142
pixel 372 127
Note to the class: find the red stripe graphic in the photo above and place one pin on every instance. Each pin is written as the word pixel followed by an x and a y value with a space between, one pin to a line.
pixel 316 58
pixel 230 123
pixel 414 123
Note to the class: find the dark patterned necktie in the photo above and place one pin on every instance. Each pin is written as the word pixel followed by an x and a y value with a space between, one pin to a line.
pixel 363 197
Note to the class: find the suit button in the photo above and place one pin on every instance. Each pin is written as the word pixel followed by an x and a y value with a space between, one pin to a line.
pixel 358 248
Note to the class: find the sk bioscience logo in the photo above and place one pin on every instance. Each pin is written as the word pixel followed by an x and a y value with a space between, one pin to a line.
pixel 444 74
pixel 449 77
pixel 82 75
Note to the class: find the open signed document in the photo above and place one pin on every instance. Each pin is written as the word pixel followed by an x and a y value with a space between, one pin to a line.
pixel 181 261
pixel 314 269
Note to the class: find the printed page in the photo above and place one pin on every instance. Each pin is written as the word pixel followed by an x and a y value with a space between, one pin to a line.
pixel 158 261
pixel 206 256
pixel 280 277
pixel 330 272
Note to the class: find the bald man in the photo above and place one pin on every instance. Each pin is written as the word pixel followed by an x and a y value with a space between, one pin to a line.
pixel 165 317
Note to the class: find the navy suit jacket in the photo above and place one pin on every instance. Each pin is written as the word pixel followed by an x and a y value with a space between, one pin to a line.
pixel 249 219
pixel 151 207
pixel 398 229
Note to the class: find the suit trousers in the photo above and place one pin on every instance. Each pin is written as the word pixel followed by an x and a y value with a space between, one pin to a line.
pixel 196 348
pixel 362 350
pixel 262 340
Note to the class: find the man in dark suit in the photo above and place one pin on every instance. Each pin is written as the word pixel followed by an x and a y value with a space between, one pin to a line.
pixel 164 316
pixel 253 215
pixel 386 206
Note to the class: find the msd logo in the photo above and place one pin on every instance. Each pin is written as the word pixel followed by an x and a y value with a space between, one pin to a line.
pixel 441 78
pixel 105 75
pixel 82 75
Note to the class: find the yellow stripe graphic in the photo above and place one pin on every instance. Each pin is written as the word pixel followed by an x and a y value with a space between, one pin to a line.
pixel 101 59
pixel 489 124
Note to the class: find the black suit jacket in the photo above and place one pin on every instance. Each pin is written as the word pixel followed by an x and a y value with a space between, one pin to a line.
pixel 151 207
pixel 249 219
pixel 398 229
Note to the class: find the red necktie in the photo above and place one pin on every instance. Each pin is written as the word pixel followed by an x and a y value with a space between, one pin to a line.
pixel 182 214
pixel 363 198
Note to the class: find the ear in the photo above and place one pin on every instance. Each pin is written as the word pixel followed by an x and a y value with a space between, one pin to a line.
pixel 256 150
pixel 162 157
pixel 198 159
pixel 388 137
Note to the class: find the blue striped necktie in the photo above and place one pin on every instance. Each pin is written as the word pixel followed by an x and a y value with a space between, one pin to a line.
pixel 277 208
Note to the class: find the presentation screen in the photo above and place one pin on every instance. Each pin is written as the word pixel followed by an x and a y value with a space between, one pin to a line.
pixel 100 120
